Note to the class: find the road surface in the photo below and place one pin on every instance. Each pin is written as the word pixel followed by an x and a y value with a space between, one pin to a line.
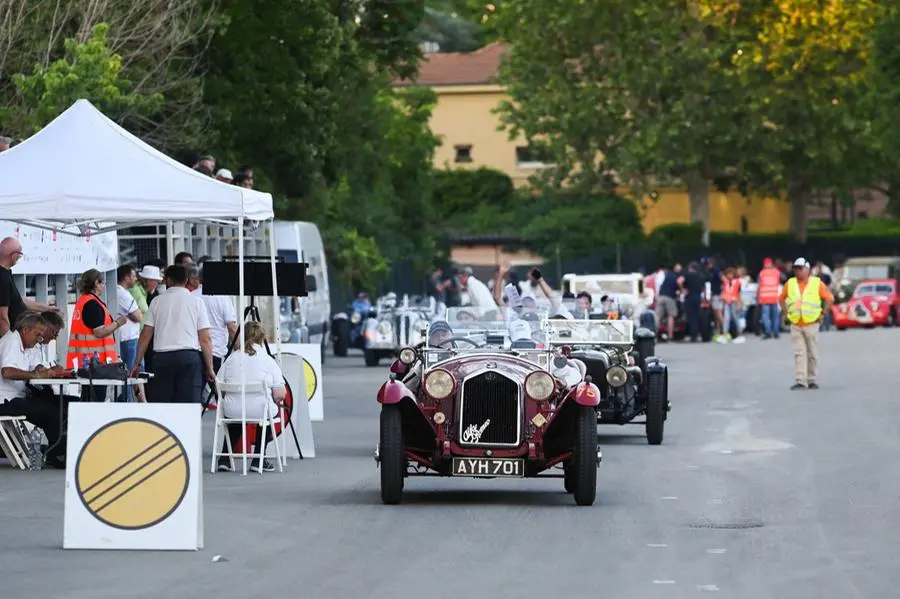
pixel 757 491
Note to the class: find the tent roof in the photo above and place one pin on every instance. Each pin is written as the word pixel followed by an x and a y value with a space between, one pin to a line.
pixel 83 167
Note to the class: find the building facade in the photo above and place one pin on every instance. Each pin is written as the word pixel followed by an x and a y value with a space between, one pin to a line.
pixel 465 119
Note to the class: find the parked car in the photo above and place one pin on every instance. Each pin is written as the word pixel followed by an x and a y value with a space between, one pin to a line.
pixel 855 270
pixel 875 302
pixel 487 400
pixel 632 381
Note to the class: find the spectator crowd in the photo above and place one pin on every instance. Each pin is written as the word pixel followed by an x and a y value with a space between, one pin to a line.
pixel 160 322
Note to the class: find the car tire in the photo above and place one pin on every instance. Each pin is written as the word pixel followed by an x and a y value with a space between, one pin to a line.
pixel 341 337
pixel 657 390
pixel 569 476
pixel 584 462
pixel 840 328
pixel 392 455
pixel 372 358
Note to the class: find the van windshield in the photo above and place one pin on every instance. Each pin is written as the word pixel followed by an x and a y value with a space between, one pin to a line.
pixel 868 271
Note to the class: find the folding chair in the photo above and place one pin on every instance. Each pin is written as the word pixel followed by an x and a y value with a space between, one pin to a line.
pixel 12 441
pixel 268 420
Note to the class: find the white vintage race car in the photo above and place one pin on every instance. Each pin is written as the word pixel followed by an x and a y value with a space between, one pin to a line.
pixel 395 325
pixel 626 293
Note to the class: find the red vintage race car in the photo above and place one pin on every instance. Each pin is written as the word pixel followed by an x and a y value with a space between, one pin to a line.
pixel 482 403
pixel 875 302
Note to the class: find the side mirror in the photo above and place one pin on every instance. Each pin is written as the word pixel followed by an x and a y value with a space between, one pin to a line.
pixel 311 283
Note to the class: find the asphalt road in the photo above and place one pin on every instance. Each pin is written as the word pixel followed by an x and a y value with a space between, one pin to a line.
pixel 757 491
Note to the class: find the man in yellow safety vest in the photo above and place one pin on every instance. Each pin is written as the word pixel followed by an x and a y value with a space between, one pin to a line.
pixel 802 299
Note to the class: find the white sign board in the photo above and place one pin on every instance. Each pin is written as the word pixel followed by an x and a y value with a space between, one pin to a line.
pixel 133 477
pixel 56 253
pixel 292 366
pixel 312 372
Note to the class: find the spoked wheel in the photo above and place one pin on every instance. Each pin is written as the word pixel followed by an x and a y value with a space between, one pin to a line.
pixel 392 455
pixel 584 462
pixel 657 405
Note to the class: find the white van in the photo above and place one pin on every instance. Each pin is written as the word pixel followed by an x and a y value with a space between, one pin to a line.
pixel 304 320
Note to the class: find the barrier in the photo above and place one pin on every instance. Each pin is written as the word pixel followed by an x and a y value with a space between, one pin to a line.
pixel 133 477
pixel 311 353
pixel 292 366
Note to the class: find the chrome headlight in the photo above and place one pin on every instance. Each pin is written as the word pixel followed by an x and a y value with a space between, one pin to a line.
pixel 356 318
pixel 408 355
pixel 616 376
pixel 384 327
pixel 439 384
pixel 539 385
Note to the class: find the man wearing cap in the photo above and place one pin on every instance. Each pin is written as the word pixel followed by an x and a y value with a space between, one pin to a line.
pixel 768 295
pixel 146 290
pixel 802 299
pixel 224 175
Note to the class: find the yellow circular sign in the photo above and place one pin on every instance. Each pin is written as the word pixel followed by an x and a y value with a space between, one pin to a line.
pixel 132 474
pixel 312 381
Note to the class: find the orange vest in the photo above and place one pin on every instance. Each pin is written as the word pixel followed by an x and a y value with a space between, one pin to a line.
pixel 731 290
pixel 82 342
pixel 769 281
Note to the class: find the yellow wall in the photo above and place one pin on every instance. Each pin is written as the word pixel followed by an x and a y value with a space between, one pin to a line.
pixel 766 215
pixel 464 116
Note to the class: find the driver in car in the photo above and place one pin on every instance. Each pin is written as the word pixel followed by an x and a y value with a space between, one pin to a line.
pixel 439 332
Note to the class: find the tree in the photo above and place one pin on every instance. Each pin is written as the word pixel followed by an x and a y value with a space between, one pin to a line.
pixel 803 64
pixel 88 70
pixel 158 41
pixel 883 100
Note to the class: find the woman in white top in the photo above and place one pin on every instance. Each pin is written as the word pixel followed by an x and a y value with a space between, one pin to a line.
pixel 258 366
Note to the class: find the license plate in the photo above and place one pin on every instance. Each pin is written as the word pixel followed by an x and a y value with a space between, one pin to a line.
pixel 488 467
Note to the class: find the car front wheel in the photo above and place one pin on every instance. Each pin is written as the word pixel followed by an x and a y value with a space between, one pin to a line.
pixel 657 404
pixel 392 455
pixel 341 338
pixel 584 462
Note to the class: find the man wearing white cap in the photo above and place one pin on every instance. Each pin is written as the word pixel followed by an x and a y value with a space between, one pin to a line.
pixel 802 300
pixel 224 175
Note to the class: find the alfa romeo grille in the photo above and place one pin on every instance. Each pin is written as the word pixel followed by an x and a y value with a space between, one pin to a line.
pixel 490 410
pixel 860 310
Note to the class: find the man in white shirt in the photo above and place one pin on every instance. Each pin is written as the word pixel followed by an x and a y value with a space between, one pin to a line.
pixel 222 320
pixel 478 293
pixel 18 365
pixel 127 306
pixel 178 323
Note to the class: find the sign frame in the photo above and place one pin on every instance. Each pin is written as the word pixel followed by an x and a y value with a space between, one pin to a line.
pixel 167 449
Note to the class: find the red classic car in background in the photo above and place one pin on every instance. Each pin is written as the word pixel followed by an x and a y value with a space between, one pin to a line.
pixel 874 302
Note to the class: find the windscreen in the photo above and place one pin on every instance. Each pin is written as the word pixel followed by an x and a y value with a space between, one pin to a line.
pixel 591 332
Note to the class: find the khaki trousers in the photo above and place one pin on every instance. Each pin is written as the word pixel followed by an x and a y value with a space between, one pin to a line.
pixel 806 352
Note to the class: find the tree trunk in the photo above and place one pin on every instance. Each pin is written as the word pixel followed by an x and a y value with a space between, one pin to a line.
pixel 799 199
pixel 698 193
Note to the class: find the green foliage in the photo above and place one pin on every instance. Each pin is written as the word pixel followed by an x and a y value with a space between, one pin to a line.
pixel 88 70
pixel 460 192
pixel 578 223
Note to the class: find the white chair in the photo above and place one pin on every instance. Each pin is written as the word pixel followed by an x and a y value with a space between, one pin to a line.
pixel 268 420
pixel 12 441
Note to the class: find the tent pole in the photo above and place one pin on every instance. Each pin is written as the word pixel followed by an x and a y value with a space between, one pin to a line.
pixel 246 448
pixel 170 242
pixel 276 313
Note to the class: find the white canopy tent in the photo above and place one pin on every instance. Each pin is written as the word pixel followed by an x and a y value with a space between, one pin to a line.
pixel 83 174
